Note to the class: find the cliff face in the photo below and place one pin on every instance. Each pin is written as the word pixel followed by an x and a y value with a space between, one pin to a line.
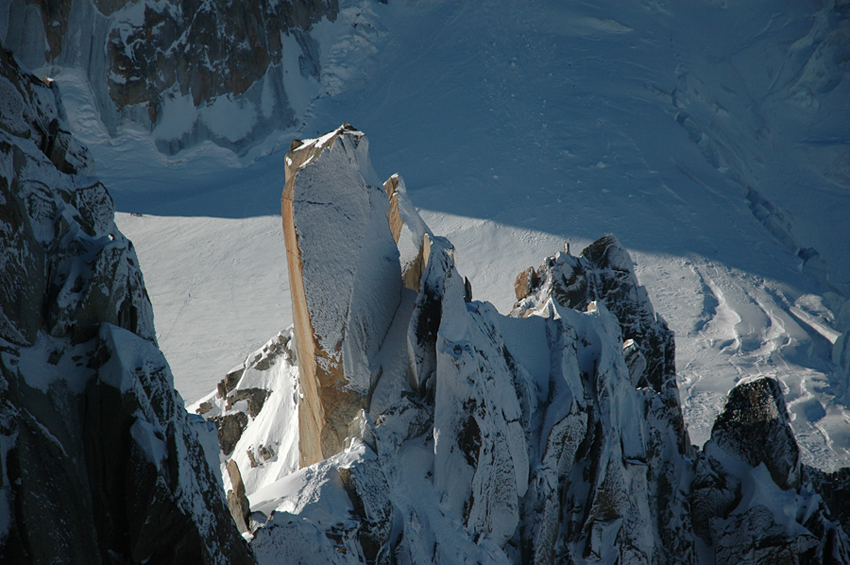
pixel 177 68
pixel 99 462
pixel 552 435
pixel 346 285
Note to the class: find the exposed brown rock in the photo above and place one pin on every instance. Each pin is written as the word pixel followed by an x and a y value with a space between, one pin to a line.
pixel 240 507
pixel 412 268
pixel 330 400
pixel 526 281
pixel 393 216
pixel 204 408
pixel 230 429
pixel 230 381
pixel 267 452
pixel 256 398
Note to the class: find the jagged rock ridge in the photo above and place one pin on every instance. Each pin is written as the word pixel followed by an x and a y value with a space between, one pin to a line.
pixel 159 64
pixel 99 461
pixel 551 435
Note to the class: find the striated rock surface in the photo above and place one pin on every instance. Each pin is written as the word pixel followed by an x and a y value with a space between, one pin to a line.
pixel 178 68
pixel 409 232
pixel 240 507
pixel 99 461
pixel 346 288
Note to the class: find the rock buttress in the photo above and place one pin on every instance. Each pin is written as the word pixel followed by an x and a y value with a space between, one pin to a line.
pixel 345 281
pixel 99 461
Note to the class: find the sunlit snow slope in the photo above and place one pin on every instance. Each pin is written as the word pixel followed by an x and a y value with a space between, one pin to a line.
pixel 713 138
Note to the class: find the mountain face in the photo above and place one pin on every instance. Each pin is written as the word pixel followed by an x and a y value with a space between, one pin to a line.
pixel 460 435
pixel 187 71
pixel 99 461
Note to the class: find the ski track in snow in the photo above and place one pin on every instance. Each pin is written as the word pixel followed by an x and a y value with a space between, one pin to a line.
pixel 520 127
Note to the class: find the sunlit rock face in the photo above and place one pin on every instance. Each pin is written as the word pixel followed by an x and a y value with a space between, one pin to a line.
pixel 188 71
pixel 99 461
pixel 346 282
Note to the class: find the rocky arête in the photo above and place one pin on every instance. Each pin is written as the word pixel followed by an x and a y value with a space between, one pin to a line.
pixel 99 460
pixel 461 435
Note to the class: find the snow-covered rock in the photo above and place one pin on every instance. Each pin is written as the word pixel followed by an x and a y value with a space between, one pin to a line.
pixel 346 288
pixel 187 71
pixel 409 232
pixel 553 435
pixel 99 461
pixel 752 500
pixel 255 411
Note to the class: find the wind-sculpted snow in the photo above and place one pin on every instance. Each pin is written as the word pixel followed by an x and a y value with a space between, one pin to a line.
pixel 99 461
pixel 553 435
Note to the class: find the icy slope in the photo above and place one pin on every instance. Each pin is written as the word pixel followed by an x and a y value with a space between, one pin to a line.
pixel 517 127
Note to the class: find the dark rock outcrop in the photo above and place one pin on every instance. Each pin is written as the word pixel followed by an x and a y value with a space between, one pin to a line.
pixel 99 461
pixel 141 56
pixel 835 489
pixel 754 427
pixel 752 500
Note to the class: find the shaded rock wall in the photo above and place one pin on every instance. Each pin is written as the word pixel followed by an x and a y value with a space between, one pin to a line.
pixel 99 461
pixel 141 57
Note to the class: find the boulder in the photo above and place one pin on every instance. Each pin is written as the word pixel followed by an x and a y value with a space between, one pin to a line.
pixel 240 507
